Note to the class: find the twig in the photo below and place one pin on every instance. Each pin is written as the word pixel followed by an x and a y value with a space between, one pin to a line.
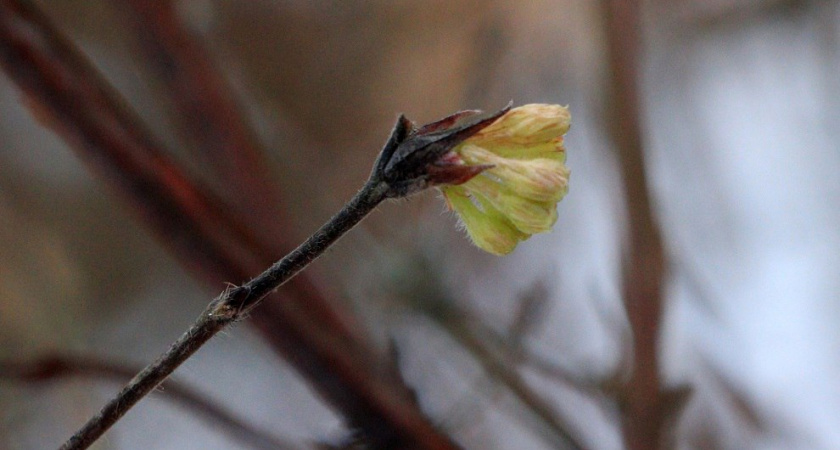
pixel 498 367
pixel 68 94
pixel 643 400
pixel 208 116
pixel 491 350
pixel 226 309
pixel 406 165
pixel 52 367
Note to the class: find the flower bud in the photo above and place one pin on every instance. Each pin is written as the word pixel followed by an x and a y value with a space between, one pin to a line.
pixel 523 176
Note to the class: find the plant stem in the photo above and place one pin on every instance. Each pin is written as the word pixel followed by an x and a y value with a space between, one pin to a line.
pixel 216 240
pixel 227 308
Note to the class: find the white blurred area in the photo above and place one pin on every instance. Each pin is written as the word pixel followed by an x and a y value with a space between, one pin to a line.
pixel 743 153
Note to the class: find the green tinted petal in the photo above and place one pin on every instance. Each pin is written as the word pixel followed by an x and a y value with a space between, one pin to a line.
pixel 518 195
pixel 528 216
pixel 487 227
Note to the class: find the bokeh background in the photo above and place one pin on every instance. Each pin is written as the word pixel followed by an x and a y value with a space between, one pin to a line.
pixel 735 107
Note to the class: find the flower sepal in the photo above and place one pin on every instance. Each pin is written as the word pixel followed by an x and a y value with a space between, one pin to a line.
pixel 414 158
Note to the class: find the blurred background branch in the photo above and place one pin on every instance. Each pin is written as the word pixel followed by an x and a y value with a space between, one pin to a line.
pixel 644 261
pixel 70 96
pixel 53 368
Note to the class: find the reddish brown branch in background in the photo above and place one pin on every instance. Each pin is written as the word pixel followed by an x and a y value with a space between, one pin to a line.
pixel 52 368
pixel 70 96
pixel 500 367
pixel 643 399
pixel 210 119
pixel 500 355
pixel 207 116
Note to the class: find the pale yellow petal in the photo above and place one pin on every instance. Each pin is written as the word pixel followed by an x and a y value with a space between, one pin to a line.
pixel 539 179
pixel 528 216
pixel 518 195
pixel 525 125
pixel 487 228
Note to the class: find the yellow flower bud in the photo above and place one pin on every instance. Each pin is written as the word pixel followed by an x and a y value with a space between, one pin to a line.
pixel 517 196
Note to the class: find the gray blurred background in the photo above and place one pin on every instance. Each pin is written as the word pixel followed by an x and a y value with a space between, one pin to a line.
pixel 742 155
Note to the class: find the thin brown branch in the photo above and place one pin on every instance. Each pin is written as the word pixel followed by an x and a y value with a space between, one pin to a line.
pixel 500 363
pixel 68 94
pixel 493 351
pixel 52 368
pixel 403 168
pixel 529 315
pixel 207 115
pixel 224 311
pixel 643 400
pixel 498 367
pixel 511 345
